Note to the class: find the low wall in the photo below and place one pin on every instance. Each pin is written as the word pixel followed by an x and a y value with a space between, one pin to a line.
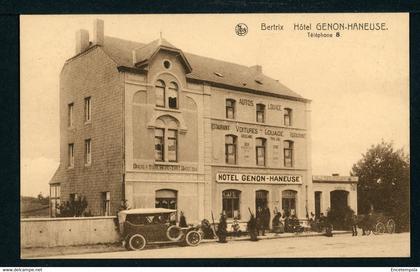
pixel 67 231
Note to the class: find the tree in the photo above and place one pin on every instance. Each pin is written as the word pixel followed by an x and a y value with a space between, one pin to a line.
pixel 384 182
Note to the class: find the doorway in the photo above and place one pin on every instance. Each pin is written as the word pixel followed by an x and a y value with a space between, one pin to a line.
pixel 261 199
pixel 318 196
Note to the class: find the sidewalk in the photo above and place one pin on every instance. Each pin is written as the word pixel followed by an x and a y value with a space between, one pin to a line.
pixel 28 253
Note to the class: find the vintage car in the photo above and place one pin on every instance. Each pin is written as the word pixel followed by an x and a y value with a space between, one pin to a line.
pixel 139 227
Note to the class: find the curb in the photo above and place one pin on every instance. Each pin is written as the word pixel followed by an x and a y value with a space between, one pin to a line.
pixel 303 235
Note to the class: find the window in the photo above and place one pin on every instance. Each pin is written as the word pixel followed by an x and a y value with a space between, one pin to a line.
pixel 88 152
pixel 88 109
pixel 160 93
pixel 74 197
pixel 159 144
pixel 70 115
pixel 166 199
pixel 287 117
pixel 173 95
pixel 54 199
pixel 172 145
pixel 167 64
pixel 231 203
pixel 105 203
pixel 260 113
pixel 230 109
pixel 71 155
pixel 288 202
pixel 260 151
pixel 288 153
pixel 230 149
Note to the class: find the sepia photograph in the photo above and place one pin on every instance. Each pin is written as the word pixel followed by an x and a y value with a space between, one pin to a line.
pixel 214 136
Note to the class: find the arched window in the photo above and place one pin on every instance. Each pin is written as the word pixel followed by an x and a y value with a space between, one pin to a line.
pixel 260 151
pixel 166 198
pixel 287 117
pixel 288 153
pixel 166 139
pixel 231 203
pixel 160 93
pixel 230 108
pixel 260 113
pixel 230 149
pixel 288 201
pixel 173 95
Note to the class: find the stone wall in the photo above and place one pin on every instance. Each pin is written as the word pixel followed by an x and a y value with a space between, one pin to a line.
pixel 51 232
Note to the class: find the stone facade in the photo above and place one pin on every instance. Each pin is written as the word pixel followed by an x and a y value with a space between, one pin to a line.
pixel 159 133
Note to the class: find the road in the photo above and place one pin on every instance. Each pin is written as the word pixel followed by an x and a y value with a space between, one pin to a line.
pixel 344 245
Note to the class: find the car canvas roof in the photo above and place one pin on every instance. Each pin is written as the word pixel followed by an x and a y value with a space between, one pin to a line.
pixel 146 211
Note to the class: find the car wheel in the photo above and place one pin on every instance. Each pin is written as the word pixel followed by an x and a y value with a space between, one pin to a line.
pixel 379 228
pixel 193 238
pixel 137 242
pixel 390 226
pixel 174 233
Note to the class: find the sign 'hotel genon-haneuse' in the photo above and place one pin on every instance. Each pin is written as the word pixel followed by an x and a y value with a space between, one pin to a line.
pixel 256 178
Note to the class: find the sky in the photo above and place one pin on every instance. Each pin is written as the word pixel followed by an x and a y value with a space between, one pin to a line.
pixel 358 82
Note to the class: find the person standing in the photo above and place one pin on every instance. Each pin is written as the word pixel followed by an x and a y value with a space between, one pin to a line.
pixel 266 219
pixel 252 228
pixel 222 229
pixel 276 222
pixel 182 220
pixel 260 221
pixel 354 224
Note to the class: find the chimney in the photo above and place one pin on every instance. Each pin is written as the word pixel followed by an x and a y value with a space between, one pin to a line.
pixel 82 40
pixel 257 68
pixel 98 32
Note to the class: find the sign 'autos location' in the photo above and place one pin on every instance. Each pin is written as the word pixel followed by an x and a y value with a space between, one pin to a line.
pixel 255 178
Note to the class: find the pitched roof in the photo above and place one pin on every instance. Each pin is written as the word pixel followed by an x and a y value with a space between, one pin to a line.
pixel 59 176
pixel 204 69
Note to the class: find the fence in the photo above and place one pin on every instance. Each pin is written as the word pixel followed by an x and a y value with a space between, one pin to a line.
pixel 51 232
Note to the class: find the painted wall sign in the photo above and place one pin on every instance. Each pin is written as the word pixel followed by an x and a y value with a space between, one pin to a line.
pixel 297 135
pixel 164 167
pixel 274 107
pixel 254 178
pixel 246 102
pixel 249 130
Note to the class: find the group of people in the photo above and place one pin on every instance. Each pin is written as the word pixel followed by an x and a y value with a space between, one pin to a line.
pixel 258 224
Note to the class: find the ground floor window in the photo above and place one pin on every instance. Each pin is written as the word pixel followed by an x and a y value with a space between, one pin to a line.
pixel 166 199
pixel 231 203
pixel 105 203
pixel 54 199
pixel 288 200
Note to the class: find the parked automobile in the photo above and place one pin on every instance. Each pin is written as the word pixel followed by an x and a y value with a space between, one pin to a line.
pixel 139 227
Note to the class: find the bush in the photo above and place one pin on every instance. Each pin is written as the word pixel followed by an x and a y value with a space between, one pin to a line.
pixel 73 208
pixel 341 218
